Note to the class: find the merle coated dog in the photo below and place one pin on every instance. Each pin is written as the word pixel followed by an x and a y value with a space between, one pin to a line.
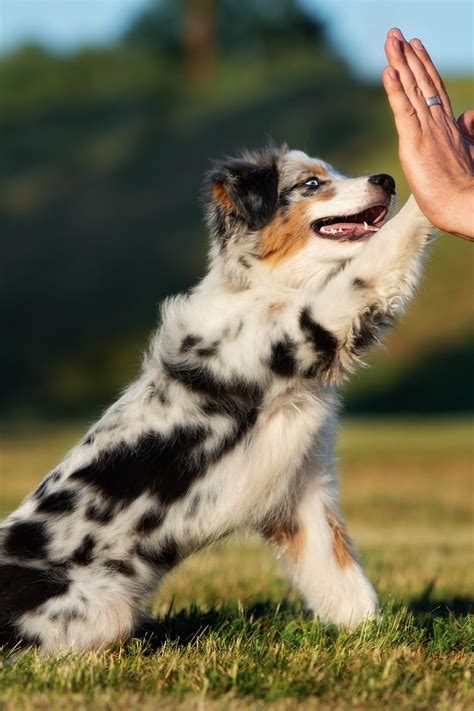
pixel 230 424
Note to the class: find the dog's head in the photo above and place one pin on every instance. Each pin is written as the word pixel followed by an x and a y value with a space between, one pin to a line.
pixel 292 217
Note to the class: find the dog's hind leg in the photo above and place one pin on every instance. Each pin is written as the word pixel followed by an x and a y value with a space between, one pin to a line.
pixel 57 609
pixel 319 556
pixel 88 616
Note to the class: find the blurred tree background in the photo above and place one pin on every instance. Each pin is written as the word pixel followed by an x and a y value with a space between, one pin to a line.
pixel 102 156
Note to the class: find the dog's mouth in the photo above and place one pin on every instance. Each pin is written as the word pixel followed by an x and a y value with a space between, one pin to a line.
pixel 351 227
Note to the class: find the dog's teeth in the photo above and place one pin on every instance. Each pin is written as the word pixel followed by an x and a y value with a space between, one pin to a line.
pixel 366 225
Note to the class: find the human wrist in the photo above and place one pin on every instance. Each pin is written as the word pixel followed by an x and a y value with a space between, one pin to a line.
pixel 456 212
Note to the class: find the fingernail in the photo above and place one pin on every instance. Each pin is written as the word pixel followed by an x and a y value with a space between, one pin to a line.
pixel 417 44
pixel 395 32
pixel 392 73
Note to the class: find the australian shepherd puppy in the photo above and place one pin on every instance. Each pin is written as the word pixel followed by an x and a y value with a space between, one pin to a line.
pixel 230 424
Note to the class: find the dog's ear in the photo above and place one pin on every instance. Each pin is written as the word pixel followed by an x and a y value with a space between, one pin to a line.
pixel 243 190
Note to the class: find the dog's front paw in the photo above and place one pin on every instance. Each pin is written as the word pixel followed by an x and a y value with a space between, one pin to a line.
pixel 352 602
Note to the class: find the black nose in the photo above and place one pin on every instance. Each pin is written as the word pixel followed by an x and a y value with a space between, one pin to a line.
pixel 385 181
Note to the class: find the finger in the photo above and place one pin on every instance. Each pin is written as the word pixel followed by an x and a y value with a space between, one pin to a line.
pixel 425 82
pixel 395 32
pixel 390 48
pixel 466 125
pixel 404 113
pixel 430 68
pixel 398 60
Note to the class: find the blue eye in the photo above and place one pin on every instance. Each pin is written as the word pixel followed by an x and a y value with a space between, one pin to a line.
pixel 312 183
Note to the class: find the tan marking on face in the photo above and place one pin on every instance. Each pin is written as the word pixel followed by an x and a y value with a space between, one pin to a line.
pixel 313 169
pixel 287 536
pixel 220 194
pixel 341 545
pixel 323 194
pixel 287 233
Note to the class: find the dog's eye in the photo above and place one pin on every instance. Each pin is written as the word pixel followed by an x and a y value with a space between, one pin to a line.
pixel 312 183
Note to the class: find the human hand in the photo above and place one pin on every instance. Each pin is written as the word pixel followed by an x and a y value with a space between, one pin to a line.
pixel 436 152
pixel 466 126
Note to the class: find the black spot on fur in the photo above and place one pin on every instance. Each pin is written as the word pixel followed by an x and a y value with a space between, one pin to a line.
pixel 324 342
pixel 323 339
pixel 162 397
pixel 370 325
pixel 209 351
pixel 99 514
pixel 220 225
pixel 244 418
pixel 284 198
pixel 120 566
pixel 41 489
pixel 73 615
pixel 90 439
pixel 24 589
pixel 66 616
pixel 164 558
pixel 195 378
pixel 237 399
pixel 151 392
pixel 166 465
pixel 193 506
pixel 201 379
pixel 211 497
pixel 337 269
pixel 27 539
pixel 359 283
pixel 59 502
pixel 282 359
pixel 150 521
pixel 163 465
pixel 50 479
pixel 189 342
pixel 84 554
pixel 243 262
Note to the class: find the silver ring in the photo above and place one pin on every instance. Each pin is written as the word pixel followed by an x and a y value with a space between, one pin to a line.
pixel 433 100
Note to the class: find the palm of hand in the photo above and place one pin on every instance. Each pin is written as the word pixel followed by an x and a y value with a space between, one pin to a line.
pixel 436 152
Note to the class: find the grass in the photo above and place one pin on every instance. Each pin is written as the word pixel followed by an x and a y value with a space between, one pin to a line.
pixel 231 633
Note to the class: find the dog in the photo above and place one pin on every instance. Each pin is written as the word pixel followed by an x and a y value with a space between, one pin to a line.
pixel 230 425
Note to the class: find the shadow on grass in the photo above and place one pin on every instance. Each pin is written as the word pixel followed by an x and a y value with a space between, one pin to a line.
pixel 186 625
pixel 427 605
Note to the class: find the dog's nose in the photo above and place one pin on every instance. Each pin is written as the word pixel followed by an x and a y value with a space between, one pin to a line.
pixel 385 181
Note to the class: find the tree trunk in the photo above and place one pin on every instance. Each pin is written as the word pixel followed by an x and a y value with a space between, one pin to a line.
pixel 199 41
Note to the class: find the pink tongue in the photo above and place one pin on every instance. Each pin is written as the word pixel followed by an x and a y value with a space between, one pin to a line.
pixel 346 229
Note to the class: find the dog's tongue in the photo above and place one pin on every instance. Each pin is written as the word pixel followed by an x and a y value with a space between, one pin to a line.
pixel 348 230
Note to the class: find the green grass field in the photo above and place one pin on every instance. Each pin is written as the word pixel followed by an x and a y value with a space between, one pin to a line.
pixel 230 632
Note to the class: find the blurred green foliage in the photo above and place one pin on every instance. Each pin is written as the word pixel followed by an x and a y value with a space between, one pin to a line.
pixel 103 153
